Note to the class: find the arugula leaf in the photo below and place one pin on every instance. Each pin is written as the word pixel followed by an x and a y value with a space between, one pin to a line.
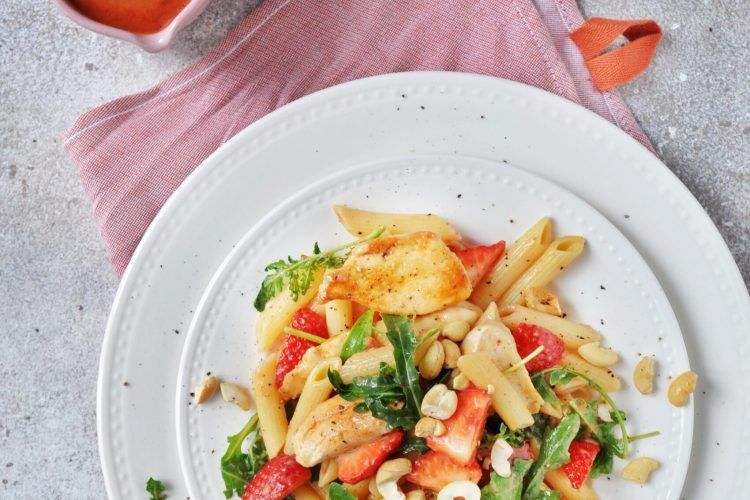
pixel 414 444
pixel 382 396
pixel 298 274
pixel 507 488
pixel 358 335
pixel 404 342
pixel 156 489
pixel 514 438
pixel 545 391
pixel 238 468
pixel 395 394
pixel 338 492
pixel 552 455
pixel 538 428
pixel 562 375
pixel 587 414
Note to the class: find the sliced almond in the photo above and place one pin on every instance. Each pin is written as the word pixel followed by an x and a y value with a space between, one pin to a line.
pixel 681 388
pixel 206 389
pixel 639 470
pixel 233 393
pixel 594 353
pixel 643 375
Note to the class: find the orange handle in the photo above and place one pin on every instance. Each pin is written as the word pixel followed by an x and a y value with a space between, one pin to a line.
pixel 622 64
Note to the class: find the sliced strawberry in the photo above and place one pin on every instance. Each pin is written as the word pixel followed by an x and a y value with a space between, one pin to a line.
pixel 479 260
pixel 522 453
pixel 528 337
pixel 434 470
pixel 464 428
pixel 293 347
pixel 363 462
pixel 275 480
pixel 582 455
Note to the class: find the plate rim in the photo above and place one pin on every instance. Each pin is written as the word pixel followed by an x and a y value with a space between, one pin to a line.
pixel 129 278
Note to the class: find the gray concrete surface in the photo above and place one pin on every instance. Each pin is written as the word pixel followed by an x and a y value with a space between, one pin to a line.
pixel 55 283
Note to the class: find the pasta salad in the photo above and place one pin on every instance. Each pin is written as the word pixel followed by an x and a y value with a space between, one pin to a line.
pixel 409 365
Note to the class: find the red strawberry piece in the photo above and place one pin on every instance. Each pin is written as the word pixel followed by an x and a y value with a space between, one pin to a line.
pixel 522 453
pixel 464 428
pixel 528 337
pixel 293 347
pixel 363 461
pixel 582 455
pixel 277 479
pixel 478 261
pixel 434 470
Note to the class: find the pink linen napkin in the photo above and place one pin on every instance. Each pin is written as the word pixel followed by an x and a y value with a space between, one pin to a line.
pixel 133 152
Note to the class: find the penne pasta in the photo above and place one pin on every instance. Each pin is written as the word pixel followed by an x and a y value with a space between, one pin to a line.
pixel 338 316
pixel 605 377
pixel 516 259
pixel 317 389
pixel 270 407
pixel 361 222
pixel 558 255
pixel 329 472
pixel 361 490
pixel 279 311
pixel 558 480
pixel 506 401
pixel 366 363
pixel 306 492
pixel 572 334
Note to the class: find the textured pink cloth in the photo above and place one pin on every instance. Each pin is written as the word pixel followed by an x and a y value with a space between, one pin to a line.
pixel 132 153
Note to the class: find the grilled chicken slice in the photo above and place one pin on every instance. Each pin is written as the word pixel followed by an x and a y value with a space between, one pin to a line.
pixel 493 337
pixel 414 273
pixel 334 428
pixel 294 381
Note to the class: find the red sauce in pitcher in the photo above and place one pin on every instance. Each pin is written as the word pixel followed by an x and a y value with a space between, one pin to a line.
pixel 136 16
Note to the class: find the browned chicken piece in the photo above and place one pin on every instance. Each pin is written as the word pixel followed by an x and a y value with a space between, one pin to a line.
pixel 294 381
pixel 414 273
pixel 333 428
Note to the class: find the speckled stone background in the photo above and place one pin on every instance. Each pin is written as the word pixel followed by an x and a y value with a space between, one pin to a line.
pixel 56 286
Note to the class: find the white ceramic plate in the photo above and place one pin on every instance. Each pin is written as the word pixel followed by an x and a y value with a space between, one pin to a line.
pixel 369 120
pixel 610 286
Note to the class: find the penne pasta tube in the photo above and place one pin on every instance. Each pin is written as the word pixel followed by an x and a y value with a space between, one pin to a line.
pixel 279 311
pixel 366 363
pixel 572 334
pixel 329 472
pixel 360 489
pixel 483 373
pixel 558 255
pixel 603 376
pixel 339 316
pixel 558 480
pixel 270 407
pixel 317 389
pixel 378 333
pixel 306 492
pixel 516 259
pixel 361 222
